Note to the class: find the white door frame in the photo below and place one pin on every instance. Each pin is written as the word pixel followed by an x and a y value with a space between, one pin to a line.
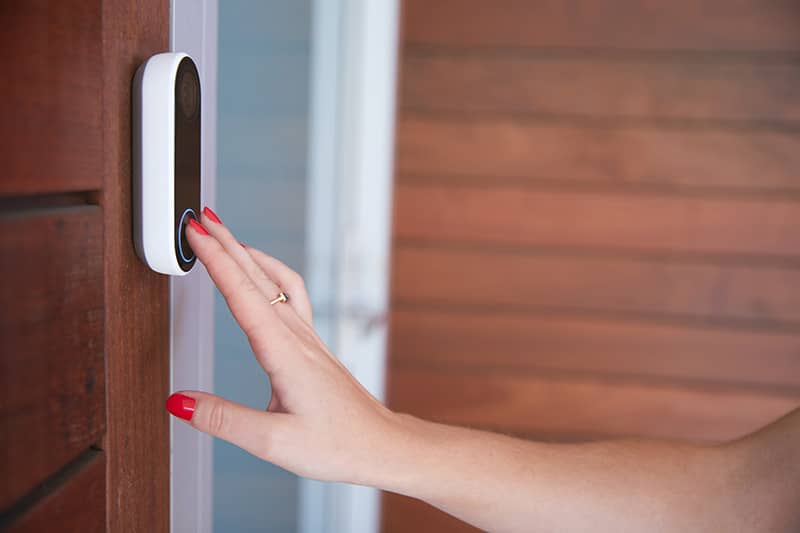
pixel 354 67
pixel 193 29
pixel 354 64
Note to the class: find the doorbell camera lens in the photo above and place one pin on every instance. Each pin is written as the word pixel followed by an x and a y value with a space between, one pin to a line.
pixel 188 93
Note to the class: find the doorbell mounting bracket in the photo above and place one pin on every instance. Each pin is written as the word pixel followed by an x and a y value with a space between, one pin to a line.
pixel 166 160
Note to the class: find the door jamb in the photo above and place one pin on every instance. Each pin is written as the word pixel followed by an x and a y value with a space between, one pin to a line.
pixel 193 29
pixel 354 71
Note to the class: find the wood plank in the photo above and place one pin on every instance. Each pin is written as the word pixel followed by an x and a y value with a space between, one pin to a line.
pixel 549 405
pixel 612 285
pixel 52 404
pixel 401 514
pixel 76 505
pixel 602 154
pixel 51 137
pixel 617 24
pixel 515 343
pixel 645 222
pixel 136 299
pixel 572 85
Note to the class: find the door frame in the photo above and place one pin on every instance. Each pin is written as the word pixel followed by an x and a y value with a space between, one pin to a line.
pixel 351 147
pixel 193 29
pixel 351 170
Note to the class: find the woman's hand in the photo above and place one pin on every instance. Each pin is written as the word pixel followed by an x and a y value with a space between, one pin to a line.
pixel 320 423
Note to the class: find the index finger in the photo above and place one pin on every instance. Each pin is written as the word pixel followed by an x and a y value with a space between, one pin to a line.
pixel 251 310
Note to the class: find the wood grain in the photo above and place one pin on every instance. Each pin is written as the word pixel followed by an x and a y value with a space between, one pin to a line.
pixel 52 404
pixel 136 299
pixel 73 506
pixel 595 220
pixel 616 24
pixel 522 216
pixel 622 88
pixel 554 405
pixel 514 343
pixel 51 135
pixel 596 284
pixel 498 149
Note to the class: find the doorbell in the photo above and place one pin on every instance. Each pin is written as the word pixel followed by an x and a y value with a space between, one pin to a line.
pixel 166 160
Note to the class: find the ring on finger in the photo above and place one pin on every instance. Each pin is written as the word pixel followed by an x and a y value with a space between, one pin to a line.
pixel 281 298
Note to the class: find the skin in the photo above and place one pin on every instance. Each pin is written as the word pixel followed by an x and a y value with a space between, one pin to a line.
pixel 322 424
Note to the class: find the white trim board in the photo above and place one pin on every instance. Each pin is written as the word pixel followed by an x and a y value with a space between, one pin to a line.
pixel 193 29
pixel 350 187
pixel 354 64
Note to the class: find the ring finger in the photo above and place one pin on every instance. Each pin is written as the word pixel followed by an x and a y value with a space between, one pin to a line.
pixel 231 245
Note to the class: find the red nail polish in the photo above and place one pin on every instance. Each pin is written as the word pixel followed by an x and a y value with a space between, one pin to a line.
pixel 199 227
pixel 211 214
pixel 181 406
pixel 243 245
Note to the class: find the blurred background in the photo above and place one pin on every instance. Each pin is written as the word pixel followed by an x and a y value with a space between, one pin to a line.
pixel 562 220
pixel 262 176
pixel 595 220
pixel 596 223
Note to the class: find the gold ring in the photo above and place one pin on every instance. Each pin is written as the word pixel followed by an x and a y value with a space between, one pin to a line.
pixel 280 299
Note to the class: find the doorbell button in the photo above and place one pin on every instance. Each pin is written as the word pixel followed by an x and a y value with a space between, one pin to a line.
pixel 184 250
pixel 167 112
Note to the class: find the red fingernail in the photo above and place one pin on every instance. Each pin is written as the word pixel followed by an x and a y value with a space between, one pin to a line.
pixel 199 227
pixel 181 406
pixel 211 214
pixel 243 245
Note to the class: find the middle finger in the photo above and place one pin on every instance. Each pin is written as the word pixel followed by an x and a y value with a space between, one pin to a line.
pixel 231 245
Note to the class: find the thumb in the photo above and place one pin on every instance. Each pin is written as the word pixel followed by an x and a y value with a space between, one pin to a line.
pixel 251 429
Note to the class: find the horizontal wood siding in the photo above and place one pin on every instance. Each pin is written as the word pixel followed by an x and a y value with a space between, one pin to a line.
pixel 596 220
pixel 614 285
pixel 52 90
pixel 647 350
pixel 530 217
pixel 553 405
pixel 52 379
pixel 68 502
pixel 622 86
pixel 736 25
pixel 569 154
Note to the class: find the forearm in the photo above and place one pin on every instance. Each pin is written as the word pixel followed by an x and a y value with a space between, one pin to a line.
pixel 500 483
pixel 322 423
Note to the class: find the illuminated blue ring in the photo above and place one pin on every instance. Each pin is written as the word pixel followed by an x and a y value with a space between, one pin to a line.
pixel 180 226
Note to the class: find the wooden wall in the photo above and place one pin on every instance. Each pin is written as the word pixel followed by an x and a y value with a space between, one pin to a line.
pixel 84 325
pixel 597 220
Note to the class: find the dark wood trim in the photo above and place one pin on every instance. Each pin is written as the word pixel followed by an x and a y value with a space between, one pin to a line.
pixel 51 88
pixel 51 337
pixel 137 300
pixel 68 501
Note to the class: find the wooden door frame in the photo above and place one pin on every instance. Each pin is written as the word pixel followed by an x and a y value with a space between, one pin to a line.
pixel 136 299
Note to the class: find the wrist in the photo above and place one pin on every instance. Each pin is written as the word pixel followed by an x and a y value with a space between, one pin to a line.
pixel 397 455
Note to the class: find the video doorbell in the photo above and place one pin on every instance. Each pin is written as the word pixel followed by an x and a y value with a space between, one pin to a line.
pixel 166 160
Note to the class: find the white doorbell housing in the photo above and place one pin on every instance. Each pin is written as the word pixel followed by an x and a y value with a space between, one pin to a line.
pixel 166 160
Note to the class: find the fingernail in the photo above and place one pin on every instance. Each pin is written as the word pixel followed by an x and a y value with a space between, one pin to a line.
pixel 211 214
pixel 199 227
pixel 181 406
pixel 243 245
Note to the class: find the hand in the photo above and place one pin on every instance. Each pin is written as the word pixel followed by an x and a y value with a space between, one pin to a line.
pixel 320 422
